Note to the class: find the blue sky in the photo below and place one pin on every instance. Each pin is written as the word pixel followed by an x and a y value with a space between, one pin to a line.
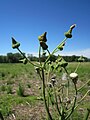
pixel 25 20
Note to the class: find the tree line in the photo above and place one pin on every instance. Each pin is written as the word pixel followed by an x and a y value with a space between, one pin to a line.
pixel 16 57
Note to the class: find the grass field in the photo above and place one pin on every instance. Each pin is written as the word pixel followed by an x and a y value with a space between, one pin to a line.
pixel 20 87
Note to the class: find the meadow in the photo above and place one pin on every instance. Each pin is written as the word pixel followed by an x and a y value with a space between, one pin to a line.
pixel 21 92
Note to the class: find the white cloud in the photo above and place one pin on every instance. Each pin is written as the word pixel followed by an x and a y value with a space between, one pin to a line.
pixel 85 53
pixel 33 53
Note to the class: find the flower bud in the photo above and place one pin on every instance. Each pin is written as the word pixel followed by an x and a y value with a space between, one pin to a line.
pixel 43 37
pixel 63 63
pixel 24 61
pixel 72 26
pixel 39 87
pixel 81 59
pixel 68 34
pixel 53 77
pixel 15 44
pixel 60 47
pixel 53 81
pixel 68 101
pixel 49 85
pixel 74 77
pixel 37 70
pixel 44 53
pixel 43 45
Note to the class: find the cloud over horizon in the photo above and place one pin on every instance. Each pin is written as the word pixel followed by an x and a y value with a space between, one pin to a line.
pixel 85 53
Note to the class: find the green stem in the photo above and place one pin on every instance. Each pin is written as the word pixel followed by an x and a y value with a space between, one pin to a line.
pixel 84 96
pixel 77 67
pixel 67 82
pixel 87 114
pixel 83 85
pixel 80 100
pixel 48 77
pixel 26 57
pixel 48 51
pixel 54 51
pixel 56 102
pixel 47 109
pixel 40 55
pixel 72 110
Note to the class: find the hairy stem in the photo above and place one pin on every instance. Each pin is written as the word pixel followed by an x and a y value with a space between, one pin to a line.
pixel 77 67
pixel 83 85
pixel 56 102
pixel 26 57
pixel 47 109
pixel 87 114
pixel 72 110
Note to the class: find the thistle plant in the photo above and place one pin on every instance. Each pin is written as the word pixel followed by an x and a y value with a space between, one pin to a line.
pixel 60 102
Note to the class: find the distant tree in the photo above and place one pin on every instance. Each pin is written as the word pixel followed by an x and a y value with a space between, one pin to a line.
pixel 13 57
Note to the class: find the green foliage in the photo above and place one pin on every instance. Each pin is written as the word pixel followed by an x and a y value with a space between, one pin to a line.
pixel 3 88
pixel 9 89
pixel 21 90
pixel 8 101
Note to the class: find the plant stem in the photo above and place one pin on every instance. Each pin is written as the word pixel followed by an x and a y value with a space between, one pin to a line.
pixel 80 100
pixel 87 114
pixel 83 85
pixel 54 51
pixel 59 45
pixel 26 57
pixel 48 51
pixel 56 102
pixel 67 82
pixel 84 96
pixel 72 110
pixel 77 67
pixel 47 109
pixel 40 55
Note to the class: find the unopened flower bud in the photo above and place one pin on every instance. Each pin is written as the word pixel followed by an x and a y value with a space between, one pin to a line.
pixel 53 77
pixel 60 47
pixel 68 101
pixel 43 37
pixel 49 85
pixel 43 45
pixel 15 44
pixel 81 59
pixel 39 87
pixel 44 53
pixel 72 26
pixel 68 34
pixel 37 70
pixel 63 63
pixel 53 81
pixel 24 61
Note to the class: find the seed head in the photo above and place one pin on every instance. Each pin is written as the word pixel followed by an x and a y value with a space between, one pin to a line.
pixel 74 77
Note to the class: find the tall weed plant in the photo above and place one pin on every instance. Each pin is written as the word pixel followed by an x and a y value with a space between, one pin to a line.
pixel 59 102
